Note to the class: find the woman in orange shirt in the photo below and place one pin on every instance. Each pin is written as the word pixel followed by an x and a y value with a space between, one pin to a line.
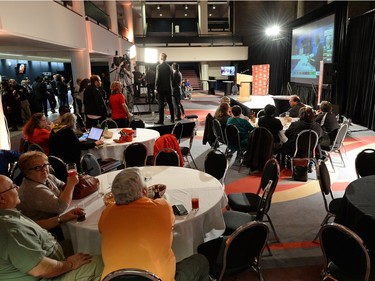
pixel 37 131
pixel 117 102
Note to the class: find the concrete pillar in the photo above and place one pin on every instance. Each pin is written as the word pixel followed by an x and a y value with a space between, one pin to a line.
pixel 300 8
pixel 203 16
pixel 111 10
pixel 204 75
pixel 128 21
pixel 79 7
pixel 81 66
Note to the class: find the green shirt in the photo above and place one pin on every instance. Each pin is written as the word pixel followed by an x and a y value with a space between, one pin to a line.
pixel 23 245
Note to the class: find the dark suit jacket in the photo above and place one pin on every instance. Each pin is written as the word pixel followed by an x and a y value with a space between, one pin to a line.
pixel 94 102
pixel 293 111
pixel 163 82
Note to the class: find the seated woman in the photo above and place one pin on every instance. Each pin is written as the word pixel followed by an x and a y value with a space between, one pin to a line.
pixel 37 130
pixel 327 120
pixel 64 143
pixel 42 195
pixel 117 102
pixel 222 114
pixel 244 127
pixel 306 122
pixel 272 124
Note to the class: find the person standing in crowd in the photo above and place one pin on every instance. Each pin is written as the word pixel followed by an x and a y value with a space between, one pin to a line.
pixel 150 82
pixel 50 94
pixel 176 85
pixel 95 108
pixel 138 77
pixel 80 96
pixel 9 101
pixel 29 252
pixel 75 94
pixel 117 102
pixel 163 84
pixel 295 105
pixel 135 216
pixel 24 105
pixel 62 90
pixel 127 78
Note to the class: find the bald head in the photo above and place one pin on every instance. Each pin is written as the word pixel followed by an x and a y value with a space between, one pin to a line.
pixel 8 193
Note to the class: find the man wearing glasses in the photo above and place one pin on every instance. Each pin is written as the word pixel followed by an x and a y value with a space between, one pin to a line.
pixel 29 252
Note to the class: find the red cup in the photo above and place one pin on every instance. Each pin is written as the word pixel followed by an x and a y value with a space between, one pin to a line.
pixel 72 173
pixel 195 202
pixel 71 169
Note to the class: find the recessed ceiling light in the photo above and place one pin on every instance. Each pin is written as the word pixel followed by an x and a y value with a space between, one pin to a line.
pixel 185 15
pixel 213 7
pixel 160 14
pixel 158 7
pixel 210 15
pixel 186 7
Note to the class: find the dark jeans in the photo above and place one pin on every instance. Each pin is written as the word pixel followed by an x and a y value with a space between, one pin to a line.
pixel 122 123
pixel 162 98
pixel 177 103
pixel 195 267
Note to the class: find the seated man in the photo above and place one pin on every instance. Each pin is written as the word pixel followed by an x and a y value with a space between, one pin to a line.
pixel 28 252
pixel 327 120
pixel 244 127
pixel 137 232
pixel 295 105
pixel 272 124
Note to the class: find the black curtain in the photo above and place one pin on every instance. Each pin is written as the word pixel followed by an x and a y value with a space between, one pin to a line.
pixel 360 77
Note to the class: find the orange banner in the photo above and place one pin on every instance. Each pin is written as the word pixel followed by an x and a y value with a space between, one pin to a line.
pixel 261 74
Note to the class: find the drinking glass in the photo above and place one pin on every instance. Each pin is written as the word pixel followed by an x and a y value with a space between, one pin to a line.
pixel 194 201
pixel 71 168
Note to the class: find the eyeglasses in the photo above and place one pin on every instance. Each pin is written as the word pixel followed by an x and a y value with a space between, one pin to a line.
pixel 41 168
pixel 13 186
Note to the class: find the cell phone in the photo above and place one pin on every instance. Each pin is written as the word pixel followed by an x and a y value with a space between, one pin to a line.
pixel 179 210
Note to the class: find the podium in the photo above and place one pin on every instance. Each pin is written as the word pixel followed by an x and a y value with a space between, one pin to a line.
pixel 244 81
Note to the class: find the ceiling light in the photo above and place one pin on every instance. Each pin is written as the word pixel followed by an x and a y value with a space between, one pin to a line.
pixel 213 7
pixel 186 7
pixel 158 7
pixel 185 15
pixel 160 15
pixel 210 15
pixel 273 30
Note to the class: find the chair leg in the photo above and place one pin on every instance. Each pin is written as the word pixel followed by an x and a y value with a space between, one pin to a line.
pixel 330 159
pixel 342 159
pixel 325 220
pixel 192 159
pixel 273 228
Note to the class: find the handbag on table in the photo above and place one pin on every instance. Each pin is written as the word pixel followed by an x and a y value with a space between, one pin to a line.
pixel 87 185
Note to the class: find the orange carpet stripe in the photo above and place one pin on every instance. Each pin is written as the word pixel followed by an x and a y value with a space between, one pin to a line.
pixel 294 245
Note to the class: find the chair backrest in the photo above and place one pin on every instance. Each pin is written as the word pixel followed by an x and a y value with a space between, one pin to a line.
pixel 261 113
pixel 264 202
pixel 365 163
pixel 35 147
pixel 244 247
pixel 218 132
pixel 131 274
pixel 109 123
pixel 324 183
pixel 24 145
pixel 190 134
pixel 90 165
pixel 168 141
pixel 59 167
pixel 216 164
pixel 135 155
pixel 306 142
pixel 233 137
pixel 340 137
pixel 167 157
pixel 137 123
pixel 16 174
pixel 177 131
pixel 271 171
pixel 345 250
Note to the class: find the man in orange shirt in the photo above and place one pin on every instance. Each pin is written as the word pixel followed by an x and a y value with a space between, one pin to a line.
pixel 137 232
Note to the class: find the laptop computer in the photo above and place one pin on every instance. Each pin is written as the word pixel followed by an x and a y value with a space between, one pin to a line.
pixel 94 135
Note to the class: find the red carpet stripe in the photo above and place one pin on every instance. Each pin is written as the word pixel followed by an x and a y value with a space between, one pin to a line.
pixel 294 245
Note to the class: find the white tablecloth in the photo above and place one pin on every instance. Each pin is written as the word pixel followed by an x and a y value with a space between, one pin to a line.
pixel 190 231
pixel 115 150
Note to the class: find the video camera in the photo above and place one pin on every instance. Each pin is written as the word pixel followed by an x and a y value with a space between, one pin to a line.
pixel 118 60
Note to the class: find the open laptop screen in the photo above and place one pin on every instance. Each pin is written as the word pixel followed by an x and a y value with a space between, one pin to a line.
pixel 95 134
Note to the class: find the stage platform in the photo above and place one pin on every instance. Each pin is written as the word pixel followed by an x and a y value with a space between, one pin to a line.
pixel 257 103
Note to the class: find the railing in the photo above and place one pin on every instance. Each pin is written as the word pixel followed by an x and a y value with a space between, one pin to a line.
pixel 97 15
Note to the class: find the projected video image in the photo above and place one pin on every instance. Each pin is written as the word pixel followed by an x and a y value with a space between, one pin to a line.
pixel 311 44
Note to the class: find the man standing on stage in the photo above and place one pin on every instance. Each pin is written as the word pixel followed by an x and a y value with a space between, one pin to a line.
pixel 163 85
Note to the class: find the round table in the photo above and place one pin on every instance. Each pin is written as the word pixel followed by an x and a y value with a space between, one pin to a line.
pixel 114 150
pixel 189 231
pixel 357 210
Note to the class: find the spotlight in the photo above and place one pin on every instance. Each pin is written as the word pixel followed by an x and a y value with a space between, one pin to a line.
pixel 273 30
